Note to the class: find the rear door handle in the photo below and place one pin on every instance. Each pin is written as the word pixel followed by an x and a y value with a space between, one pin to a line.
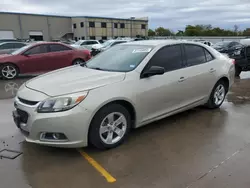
pixel 181 79
pixel 212 70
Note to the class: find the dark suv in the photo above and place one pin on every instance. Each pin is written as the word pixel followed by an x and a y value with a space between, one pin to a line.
pixel 242 60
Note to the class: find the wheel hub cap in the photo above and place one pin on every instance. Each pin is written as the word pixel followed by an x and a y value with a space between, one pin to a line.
pixel 219 94
pixel 113 128
pixel 9 72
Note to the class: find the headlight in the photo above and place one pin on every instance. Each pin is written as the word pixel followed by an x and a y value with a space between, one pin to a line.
pixel 61 103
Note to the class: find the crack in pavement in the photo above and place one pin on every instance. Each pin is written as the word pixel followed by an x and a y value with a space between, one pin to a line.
pixel 221 163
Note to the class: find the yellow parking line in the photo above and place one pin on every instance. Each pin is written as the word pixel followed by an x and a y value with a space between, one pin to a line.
pixel 98 167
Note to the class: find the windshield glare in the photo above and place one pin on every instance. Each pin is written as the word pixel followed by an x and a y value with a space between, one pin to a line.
pixel 120 58
pixel 21 49
pixel 107 43
pixel 79 42
pixel 222 44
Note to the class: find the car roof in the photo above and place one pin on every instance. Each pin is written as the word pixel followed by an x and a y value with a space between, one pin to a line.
pixel 156 42
pixel 12 42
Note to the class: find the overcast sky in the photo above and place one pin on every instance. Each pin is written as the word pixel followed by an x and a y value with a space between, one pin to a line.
pixel 173 14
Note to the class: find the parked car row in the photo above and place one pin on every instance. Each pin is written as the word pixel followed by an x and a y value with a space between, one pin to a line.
pixel 240 51
pixel 126 86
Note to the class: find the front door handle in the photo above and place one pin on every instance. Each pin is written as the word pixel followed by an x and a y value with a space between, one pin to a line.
pixel 212 70
pixel 181 79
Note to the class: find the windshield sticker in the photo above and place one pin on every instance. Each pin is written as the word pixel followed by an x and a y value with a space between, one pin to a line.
pixel 142 50
pixel 132 66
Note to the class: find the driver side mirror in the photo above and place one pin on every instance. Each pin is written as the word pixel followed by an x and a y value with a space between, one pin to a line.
pixel 154 70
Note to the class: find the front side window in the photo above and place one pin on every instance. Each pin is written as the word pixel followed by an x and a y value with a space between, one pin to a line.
pixel 39 49
pixel 195 54
pixel 168 57
pixel 121 58
pixel 58 48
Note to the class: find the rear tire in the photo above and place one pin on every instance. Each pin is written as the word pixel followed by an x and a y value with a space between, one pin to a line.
pixel 237 70
pixel 8 71
pixel 105 132
pixel 217 95
pixel 78 62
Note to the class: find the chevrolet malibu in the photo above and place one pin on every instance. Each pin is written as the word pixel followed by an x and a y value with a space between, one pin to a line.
pixel 127 86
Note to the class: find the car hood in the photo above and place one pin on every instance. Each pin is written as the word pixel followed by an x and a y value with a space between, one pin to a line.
pixel 73 79
pixel 75 45
pixel 4 55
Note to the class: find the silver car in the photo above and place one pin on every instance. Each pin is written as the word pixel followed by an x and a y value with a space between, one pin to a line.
pixel 9 47
pixel 127 86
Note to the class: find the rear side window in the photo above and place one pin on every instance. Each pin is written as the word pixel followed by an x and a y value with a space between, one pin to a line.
pixel 169 57
pixel 208 55
pixel 19 45
pixel 58 48
pixel 91 42
pixel 7 46
pixel 195 54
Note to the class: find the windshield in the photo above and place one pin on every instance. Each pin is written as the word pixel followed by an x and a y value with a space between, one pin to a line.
pixel 21 49
pixel 222 44
pixel 79 42
pixel 107 43
pixel 120 58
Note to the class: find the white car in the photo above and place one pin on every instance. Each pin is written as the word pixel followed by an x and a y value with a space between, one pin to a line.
pixel 109 43
pixel 124 87
pixel 85 43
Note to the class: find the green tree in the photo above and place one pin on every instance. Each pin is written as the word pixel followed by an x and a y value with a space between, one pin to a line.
pixel 151 32
pixel 161 31
pixel 246 32
pixel 180 33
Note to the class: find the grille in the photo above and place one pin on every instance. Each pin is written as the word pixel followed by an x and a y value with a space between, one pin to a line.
pixel 32 103
pixel 23 116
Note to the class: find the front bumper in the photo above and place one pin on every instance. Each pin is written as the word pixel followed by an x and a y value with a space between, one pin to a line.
pixel 73 124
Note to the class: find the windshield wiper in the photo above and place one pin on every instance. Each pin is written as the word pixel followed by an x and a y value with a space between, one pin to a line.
pixel 96 68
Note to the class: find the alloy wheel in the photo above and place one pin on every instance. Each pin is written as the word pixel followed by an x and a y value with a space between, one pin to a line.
pixel 113 128
pixel 219 94
pixel 9 72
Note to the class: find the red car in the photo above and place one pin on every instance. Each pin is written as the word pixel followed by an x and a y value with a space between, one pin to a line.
pixel 39 58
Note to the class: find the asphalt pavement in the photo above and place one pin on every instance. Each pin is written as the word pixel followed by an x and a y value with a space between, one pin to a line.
pixel 198 148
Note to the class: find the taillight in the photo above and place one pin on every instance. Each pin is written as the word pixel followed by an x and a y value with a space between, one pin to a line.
pixel 233 61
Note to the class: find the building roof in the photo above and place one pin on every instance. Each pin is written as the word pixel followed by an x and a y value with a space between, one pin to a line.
pixel 31 14
pixel 99 17
pixel 95 17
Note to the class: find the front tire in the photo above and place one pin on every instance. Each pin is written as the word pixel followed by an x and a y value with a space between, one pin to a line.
pixel 110 126
pixel 218 95
pixel 237 70
pixel 8 71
